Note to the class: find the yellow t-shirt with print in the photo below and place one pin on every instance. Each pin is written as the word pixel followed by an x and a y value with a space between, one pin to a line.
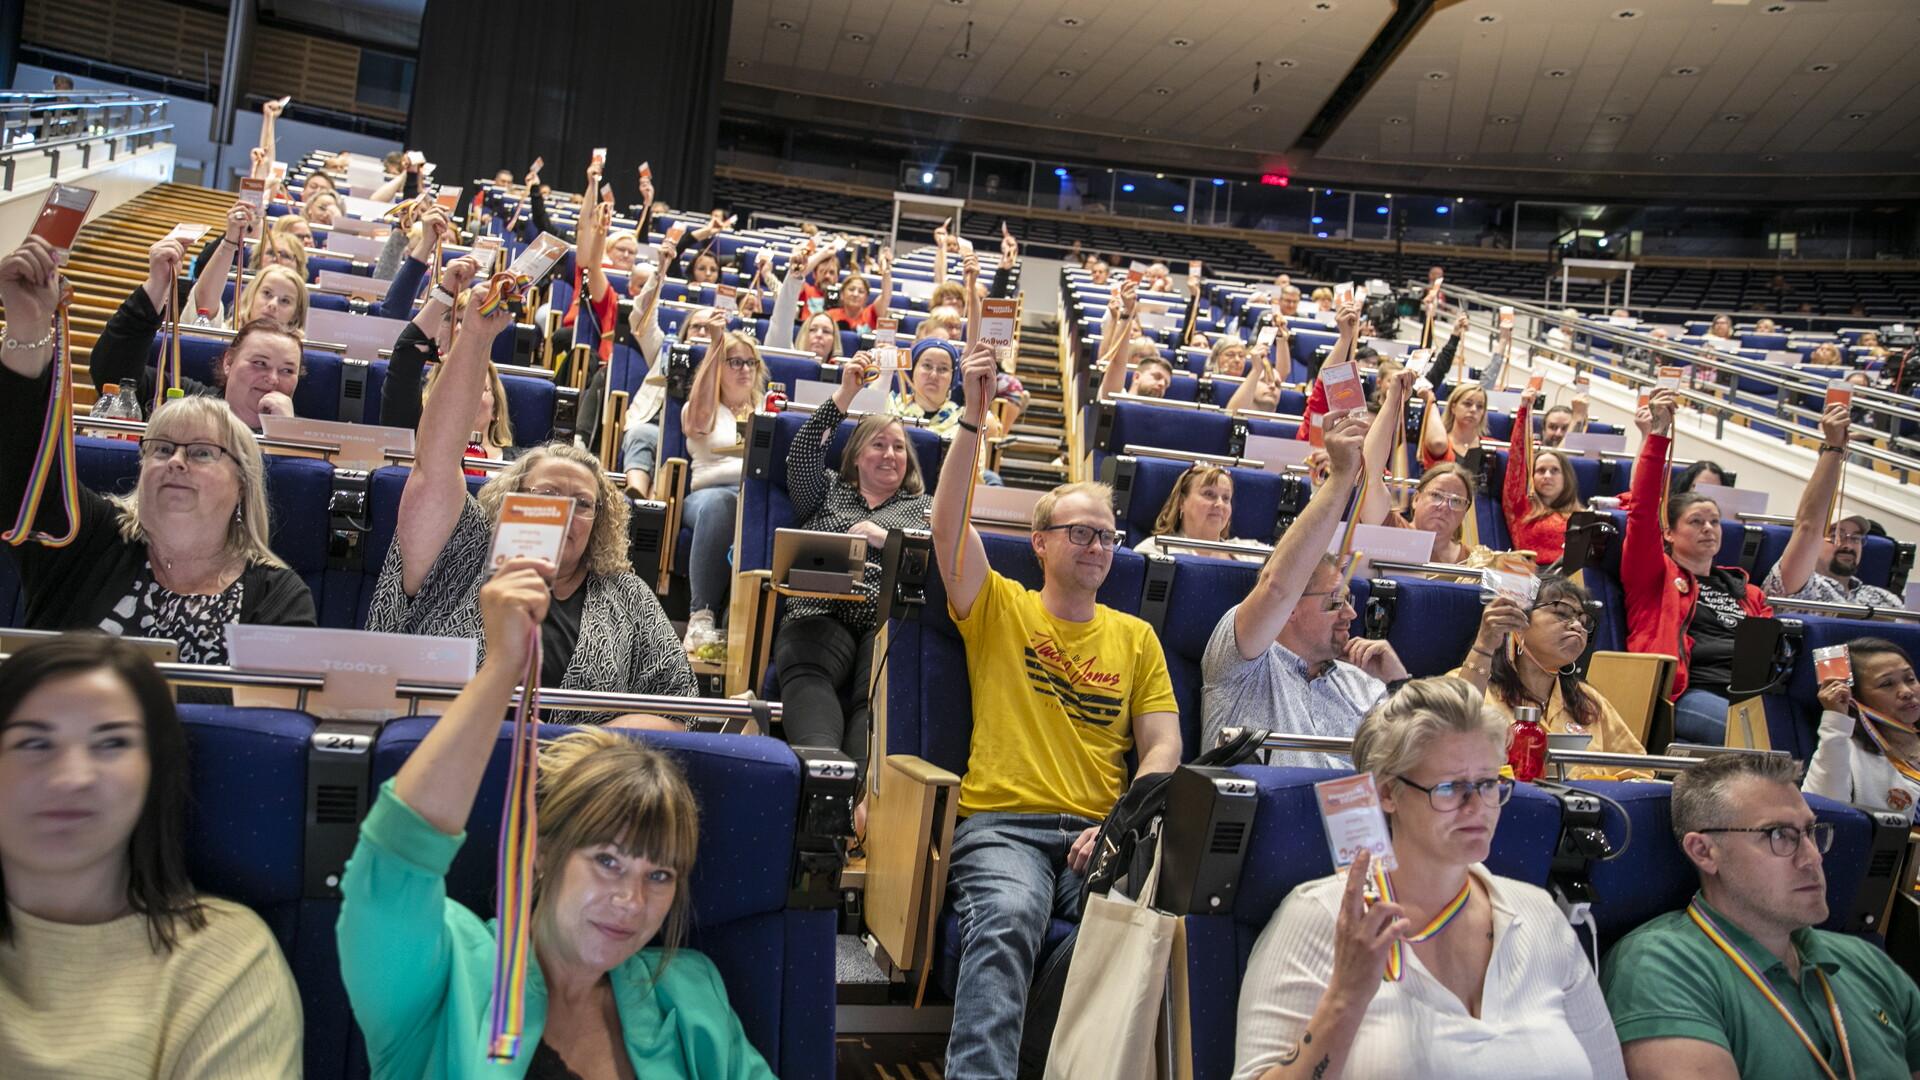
pixel 1054 702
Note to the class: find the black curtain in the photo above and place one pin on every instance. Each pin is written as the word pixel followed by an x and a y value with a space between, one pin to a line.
pixel 501 82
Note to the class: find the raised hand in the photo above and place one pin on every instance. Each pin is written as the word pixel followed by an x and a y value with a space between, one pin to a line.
pixel 1836 695
pixel 979 372
pixel 512 605
pixel 1362 934
pixel 646 183
pixel 30 289
pixel 1347 318
pixel 240 222
pixel 1661 406
pixel 533 172
pixel 1834 424
pixel 1498 619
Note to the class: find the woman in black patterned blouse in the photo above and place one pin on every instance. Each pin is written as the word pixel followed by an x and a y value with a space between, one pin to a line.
pixel 824 650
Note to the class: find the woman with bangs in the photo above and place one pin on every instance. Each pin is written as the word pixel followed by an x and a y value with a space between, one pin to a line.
pixel 1463 424
pixel 423 341
pixel 182 555
pixel 258 372
pixel 729 384
pixel 1539 493
pixel 1200 507
pixel 604 629
pixel 611 990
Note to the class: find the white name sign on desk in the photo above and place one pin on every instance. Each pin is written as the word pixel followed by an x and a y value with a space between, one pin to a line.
pixel 1594 443
pixel 1274 453
pixel 359 669
pixel 1386 543
pixel 1734 501
pixel 353 446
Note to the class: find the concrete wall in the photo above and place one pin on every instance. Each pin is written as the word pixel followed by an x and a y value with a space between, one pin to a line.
pixel 115 181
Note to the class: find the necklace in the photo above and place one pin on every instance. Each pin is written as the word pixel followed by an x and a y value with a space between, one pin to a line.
pixel 1395 962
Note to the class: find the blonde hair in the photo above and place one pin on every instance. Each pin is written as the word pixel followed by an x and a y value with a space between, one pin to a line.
pixel 1220 345
pixel 1196 477
pixel 600 787
pixel 1443 469
pixel 808 325
pixel 947 293
pixel 953 324
pixel 282 240
pixel 1400 730
pixel 247 532
pixel 717 354
pixel 243 306
pixel 1459 393
pixel 500 430
pixel 865 432
pixel 607 545
pixel 1043 509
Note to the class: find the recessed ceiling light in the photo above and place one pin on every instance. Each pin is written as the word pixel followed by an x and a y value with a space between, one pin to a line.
pixel 1146 131
pixel 784 24
pixel 1490 17
pixel 1180 42
pixel 1733 117
pixel 1821 68
pixel 1459 157
pixel 1616 118
pixel 1559 157
pixel 1256 108
pixel 1769 157
pixel 1663 157
pixel 856 37
pixel 1162 91
pixel 741 63
pixel 872 85
pixel 1396 121
pixel 966 101
pixel 958 3
pixel 1437 76
pixel 962 54
pixel 1059 116
pixel 1503 120
pixel 1685 72
pixel 1070 21
pixel 1626 13
pixel 1286 62
pixel 1558 73
pixel 1063 73
pixel 1858 115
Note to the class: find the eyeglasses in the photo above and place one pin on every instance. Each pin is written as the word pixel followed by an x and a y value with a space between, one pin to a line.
pixel 1085 535
pixel 198 454
pixel 1847 539
pixel 1784 840
pixel 1569 615
pixel 583 506
pixel 738 363
pixel 1334 603
pixel 1450 795
pixel 1450 501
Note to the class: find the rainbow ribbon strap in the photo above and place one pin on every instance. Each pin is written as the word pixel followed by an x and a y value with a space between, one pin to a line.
pixel 1873 719
pixel 1396 963
pixel 55 455
pixel 1725 945
pixel 514 870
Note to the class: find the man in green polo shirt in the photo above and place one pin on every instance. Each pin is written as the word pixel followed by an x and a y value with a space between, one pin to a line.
pixel 1681 1001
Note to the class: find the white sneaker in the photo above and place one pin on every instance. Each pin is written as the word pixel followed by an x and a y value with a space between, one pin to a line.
pixel 700 631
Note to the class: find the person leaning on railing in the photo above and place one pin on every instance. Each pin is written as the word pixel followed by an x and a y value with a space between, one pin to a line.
pixel 618 832
pixel 182 555
pixel 604 630
pixel 111 963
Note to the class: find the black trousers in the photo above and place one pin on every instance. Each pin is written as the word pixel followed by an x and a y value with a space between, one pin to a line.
pixel 824 670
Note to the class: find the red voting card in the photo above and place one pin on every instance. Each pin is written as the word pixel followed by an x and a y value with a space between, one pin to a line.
pixel 62 215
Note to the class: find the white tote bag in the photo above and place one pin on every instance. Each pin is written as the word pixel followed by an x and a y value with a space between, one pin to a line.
pixel 1110 1007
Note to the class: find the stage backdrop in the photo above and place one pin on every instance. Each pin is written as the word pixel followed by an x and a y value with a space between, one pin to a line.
pixel 501 82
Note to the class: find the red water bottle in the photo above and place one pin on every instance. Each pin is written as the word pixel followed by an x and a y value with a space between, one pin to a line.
pixel 1527 744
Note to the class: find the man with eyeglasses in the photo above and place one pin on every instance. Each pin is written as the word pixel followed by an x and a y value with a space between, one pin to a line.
pixel 1283 658
pixel 1836 561
pixel 1062 689
pixel 1740 984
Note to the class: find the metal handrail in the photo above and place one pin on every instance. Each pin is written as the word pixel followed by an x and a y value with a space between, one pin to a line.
pixel 1845 611
pixel 1336 744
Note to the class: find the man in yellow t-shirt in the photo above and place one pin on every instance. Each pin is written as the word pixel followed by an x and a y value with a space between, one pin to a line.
pixel 1062 689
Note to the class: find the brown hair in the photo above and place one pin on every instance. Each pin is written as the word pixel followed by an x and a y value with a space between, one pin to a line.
pixel 1444 469
pixel 607 544
pixel 500 430
pixel 1196 477
pixel 1568 501
pixel 868 429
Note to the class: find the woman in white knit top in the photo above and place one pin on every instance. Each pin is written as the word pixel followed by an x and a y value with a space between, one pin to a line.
pixel 1870 762
pixel 110 964
pixel 1500 989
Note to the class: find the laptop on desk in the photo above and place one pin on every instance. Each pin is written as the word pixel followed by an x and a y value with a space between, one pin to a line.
pixel 819 562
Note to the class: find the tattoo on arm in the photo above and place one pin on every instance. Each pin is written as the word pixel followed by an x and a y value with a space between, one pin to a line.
pixel 1320 1070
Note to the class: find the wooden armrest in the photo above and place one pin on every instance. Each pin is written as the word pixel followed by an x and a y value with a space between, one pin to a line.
pixel 670 487
pixel 909 835
pixel 613 420
pixel 1636 684
pixel 749 631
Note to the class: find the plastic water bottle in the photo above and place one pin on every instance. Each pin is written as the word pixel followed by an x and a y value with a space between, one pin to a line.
pixel 1527 744
pixel 108 406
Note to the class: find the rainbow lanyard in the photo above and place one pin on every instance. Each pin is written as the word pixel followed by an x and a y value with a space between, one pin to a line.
pixel 55 455
pixel 1718 937
pixel 167 385
pixel 1901 765
pixel 514 869
pixel 1396 964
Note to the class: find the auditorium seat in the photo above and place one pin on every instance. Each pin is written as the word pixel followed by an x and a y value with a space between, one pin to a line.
pixel 777 961
pixel 1141 486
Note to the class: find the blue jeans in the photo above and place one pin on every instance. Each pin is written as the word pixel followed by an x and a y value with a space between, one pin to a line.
pixel 1008 881
pixel 639 446
pixel 710 512
pixel 1700 716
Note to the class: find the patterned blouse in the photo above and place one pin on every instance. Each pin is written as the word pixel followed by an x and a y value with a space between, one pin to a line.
pixel 626 644
pixel 825 503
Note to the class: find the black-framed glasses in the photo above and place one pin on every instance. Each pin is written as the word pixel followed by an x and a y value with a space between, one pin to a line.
pixel 198 454
pixel 1570 615
pixel 1784 840
pixel 741 363
pixel 582 505
pixel 1085 535
pixel 1450 795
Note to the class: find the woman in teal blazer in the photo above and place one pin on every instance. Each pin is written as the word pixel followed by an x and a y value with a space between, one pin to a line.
pixel 618 831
